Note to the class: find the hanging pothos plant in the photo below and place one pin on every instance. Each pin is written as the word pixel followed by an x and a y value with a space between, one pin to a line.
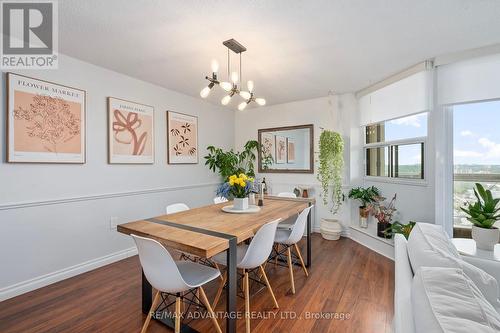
pixel 331 161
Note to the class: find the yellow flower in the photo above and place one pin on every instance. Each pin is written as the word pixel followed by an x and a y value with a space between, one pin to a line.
pixel 233 177
pixel 250 179
pixel 243 184
pixel 231 182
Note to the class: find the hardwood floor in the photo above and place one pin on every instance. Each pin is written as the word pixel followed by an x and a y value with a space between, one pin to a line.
pixel 346 278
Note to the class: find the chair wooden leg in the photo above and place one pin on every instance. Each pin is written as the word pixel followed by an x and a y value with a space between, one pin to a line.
pixel 263 272
pixel 217 267
pixel 177 314
pixel 247 303
pixel 301 260
pixel 204 299
pixel 290 267
pixel 156 300
pixel 276 258
pixel 219 291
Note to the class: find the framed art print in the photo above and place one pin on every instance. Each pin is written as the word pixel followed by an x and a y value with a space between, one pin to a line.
pixel 280 149
pixel 45 121
pixel 268 149
pixel 182 138
pixel 290 152
pixel 130 132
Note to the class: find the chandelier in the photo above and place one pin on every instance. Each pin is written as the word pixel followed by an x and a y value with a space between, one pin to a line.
pixel 233 84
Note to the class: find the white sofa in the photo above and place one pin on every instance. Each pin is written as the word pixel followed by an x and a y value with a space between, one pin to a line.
pixel 437 290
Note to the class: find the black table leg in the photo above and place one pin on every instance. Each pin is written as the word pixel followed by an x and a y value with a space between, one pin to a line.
pixel 232 276
pixel 147 295
pixel 308 262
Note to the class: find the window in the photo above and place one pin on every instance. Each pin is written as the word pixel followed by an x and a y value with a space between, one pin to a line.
pixel 476 153
pixel 395 148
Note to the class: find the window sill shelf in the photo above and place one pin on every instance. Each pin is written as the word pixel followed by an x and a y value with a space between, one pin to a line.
pixel 401 181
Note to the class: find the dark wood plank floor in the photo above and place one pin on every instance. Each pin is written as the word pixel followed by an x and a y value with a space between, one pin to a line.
pixel 346 278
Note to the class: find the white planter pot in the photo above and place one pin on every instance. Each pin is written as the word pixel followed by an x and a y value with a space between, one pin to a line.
pixel 240 203
pixel 485 238
pixel 330 229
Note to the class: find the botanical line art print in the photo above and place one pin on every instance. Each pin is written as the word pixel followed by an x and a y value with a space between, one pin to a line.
pixel 131 132
pixel 182 138
pixel 46 121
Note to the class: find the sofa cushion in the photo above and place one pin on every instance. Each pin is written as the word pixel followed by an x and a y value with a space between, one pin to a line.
pixel 429 246
pixel 447 300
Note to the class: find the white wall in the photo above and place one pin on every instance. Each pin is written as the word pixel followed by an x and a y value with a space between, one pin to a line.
pixel 332 113
pixel 55 219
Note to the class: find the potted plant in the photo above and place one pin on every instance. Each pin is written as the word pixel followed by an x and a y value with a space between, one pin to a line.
pixel 238 187
pixel 400 228
pixel 229 163
pixel 483 214
pixel 365 196
pixel 331 162
pixel 383 213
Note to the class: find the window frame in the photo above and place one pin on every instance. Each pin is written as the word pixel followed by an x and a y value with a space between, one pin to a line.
pixel 389 144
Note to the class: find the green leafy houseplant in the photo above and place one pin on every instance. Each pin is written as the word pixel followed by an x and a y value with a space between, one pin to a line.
pixel 229 163
pixel 484 212
pixel 331 161
pixel 366 195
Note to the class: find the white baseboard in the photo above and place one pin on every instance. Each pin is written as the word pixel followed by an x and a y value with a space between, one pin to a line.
pixel 47 279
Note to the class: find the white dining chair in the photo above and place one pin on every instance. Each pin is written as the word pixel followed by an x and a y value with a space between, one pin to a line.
pixel 171 277
pixel 250 257
pixel 288 238
pixel 176 207
pixel 287 195
pixel 218 200
pixel 285 225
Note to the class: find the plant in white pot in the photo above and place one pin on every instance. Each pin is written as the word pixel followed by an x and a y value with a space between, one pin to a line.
pixel 483 214
pixel 238 187
pixel 331 162
pixel 366 196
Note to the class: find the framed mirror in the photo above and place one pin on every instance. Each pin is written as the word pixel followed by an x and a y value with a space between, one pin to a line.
pixel 286 149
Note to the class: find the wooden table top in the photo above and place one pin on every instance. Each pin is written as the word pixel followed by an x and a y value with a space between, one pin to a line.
pixel 242 226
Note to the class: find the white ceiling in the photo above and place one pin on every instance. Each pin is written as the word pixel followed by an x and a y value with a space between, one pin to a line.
pixel 296 49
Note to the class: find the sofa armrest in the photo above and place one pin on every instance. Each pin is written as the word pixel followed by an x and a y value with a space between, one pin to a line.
pixel 489 266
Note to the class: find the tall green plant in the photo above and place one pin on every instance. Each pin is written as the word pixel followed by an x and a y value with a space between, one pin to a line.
pixel 331 162
pixel 483 213
pixel 228 163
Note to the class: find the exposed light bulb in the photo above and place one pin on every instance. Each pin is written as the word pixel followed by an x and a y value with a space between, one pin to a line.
pixel 234 77
pixel 250 86
pixel 260 101
pixel 204 92
pixel 245 94
pixel 215 66
pixel 242 106
pixel 226 86
pixel 225 100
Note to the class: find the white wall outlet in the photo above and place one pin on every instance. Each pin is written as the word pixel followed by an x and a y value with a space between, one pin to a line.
pixel 113 222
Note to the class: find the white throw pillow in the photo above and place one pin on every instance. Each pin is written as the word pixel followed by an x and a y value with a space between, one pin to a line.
pixel 429 246
pixel 446 300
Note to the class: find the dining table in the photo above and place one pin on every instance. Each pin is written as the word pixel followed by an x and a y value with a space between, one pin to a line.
pixel 206 231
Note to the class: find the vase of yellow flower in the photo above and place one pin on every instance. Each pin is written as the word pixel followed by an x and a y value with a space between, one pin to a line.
pixel 237 187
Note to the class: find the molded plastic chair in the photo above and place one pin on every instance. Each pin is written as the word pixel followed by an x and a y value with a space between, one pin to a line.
pixel 177 207
pixel 218 200
pixel 287 226
pixel 172 277
pixel 289 238
pixel 287 195
pixel 250 257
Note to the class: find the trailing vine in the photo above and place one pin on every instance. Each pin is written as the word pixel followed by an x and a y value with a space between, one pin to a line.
pixel 331 162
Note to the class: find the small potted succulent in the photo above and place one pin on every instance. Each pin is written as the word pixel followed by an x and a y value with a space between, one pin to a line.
pixel 366 196
pixel 483 214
